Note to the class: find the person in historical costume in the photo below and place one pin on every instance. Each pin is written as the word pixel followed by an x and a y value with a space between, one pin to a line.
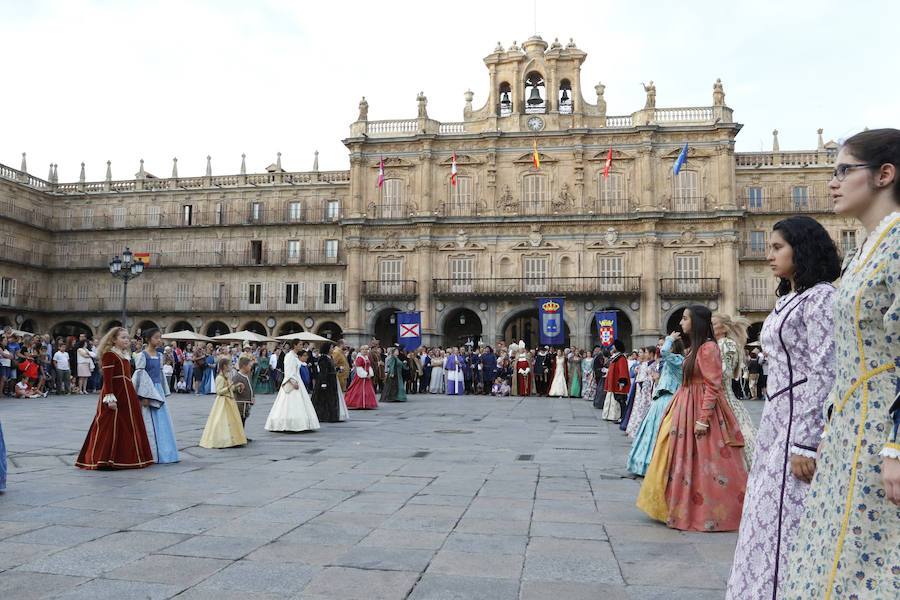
pixel 455 378
pixel 341 366
pixel 153 389
pixel 707 479
pixel 540 367
pixel 293 410
pixel 731 334
pixel 326 393
pixel 224 428
pixel 208 383
pixel 574 374
pixel 376 359
pixel 588 385
pixel 617 384
pixel 361 394
pixel 262 373
pixel 425 380
pixel 798 338
pixel 598 367
pixel 633 364
pixel 643 398
pixel 437 385
pixel 848 541
pixel 559 375
pixel 488 368
pixel 649 454
pixel 523 374
pixel 117 438
pixel 394 389
pixel 2 460
pixel 415 372
pixel 244 395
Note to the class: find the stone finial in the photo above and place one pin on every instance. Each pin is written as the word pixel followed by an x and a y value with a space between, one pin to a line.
pixel 601 101
pixel 316 161
pixel 108 171
pixel 81 175
pixel 363 110
pixel 422 103
pixel 718 93
pixel 468 95
pixel 571 43
pixel 141 174
pixel 24 166
pixel 55 173
pixel 50 175
pixel 499 47
pixel 278 163
pixel 775 147
pixel 243 164
pixel 175 168
pixel 821 145
pixel 208 165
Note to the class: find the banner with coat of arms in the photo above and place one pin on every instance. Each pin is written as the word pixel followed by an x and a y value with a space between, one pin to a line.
pixel 550 318
pixel 607 327
pixel 409 330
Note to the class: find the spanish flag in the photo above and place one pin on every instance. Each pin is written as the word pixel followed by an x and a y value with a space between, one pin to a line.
pixel 535 157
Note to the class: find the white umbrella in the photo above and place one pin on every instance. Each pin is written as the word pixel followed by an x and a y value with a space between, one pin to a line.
pixel 303 336
pixel 185 336
pixel 243 336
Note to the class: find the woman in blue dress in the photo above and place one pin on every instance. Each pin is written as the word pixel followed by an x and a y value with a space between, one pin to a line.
pixel 2 460
pixel 153 390
pixel 671 357
pixel 208 383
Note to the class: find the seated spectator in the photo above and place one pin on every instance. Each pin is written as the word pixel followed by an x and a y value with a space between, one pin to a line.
pixel 24 390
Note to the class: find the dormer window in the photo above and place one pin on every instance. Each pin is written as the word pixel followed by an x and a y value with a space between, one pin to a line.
pixel 535 93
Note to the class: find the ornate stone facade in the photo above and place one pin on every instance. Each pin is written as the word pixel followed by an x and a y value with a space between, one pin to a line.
pixel 334 252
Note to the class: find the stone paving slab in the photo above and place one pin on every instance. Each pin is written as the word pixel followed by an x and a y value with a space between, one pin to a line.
pixel 441 498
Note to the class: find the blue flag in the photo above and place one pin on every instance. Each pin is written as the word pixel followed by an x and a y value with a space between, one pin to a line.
pixel 607 327
pixel 409 330
pixel 552 325
pixel 682 158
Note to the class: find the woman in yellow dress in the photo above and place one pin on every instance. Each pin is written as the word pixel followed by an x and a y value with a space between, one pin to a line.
pixel 223 427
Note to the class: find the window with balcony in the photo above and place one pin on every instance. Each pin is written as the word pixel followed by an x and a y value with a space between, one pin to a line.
pixel 460 200
pixel 392 199
pixel 293 251
pixel 256 252
pixel 686 194
pixel 147 295
pixel 332 210
pixel 612 193
pixel 536 271
pixel 82 292
pixel 254 294
pixel 612 271
pixel 757 243
pixel 848 241
pixel 7 290
pixel 390 272
pixel 182 295
pixel 754 198
pixel 219 215
pixel 462 270
pixel 331 250
pixel 153 215
pixel 256 211
pixel 293 293
pixel 87 218
pixel 800 197
pixel 187 215
pixel 119 216
pixel 759 287
pixel 295 211
pixel 687 273
pixel 329 293
pixel 535 193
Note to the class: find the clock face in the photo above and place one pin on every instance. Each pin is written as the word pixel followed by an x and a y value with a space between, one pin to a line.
pixel 535 123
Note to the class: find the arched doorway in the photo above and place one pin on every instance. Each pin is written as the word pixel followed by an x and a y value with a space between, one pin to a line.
pixel 255 327
pixel 145 325
pixel 181 326
pixel 385 329
pixel 73 328
pixel 289 327
pixel 214 328
pixel 523 326
pixel 753 331
pixel 674 321
pixel 330 330
pixel 623 325
pixel 28 325
pixel 5 322
pixel 111 324
pixel 462 327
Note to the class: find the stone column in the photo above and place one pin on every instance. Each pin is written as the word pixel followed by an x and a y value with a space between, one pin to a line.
pixel 425 301
pixel 427 204
pixel 649 314
pixel 354 332
pixel 728 284
pixel 644 193
pixel 357 185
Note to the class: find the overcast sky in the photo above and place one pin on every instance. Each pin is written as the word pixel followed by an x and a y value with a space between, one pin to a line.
pixel 119 80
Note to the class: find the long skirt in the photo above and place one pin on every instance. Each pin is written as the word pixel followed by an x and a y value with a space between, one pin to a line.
pixel 455 383
pixel 652 497
pixel 343 413
pixel 437 380
pixel 361 394
pixel 325 401
pixel 589 386
pixel 223 426
pixel 160 431
pixel 2 460
pixel 645 440
pixel 207 384
pixel 575 386
pixel 642 401
pixel 612 410
pixel 629 405
pixel 558 387
pixel 393 390
pixel 292 411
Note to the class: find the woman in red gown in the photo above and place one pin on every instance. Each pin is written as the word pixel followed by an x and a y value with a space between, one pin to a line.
pixel 707 477
pixel 361 393
pixel 117 438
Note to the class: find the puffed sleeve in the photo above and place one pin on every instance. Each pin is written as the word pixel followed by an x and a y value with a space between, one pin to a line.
pixel 110 366
pixel 809 399
pixel 709 365
pixel 223 388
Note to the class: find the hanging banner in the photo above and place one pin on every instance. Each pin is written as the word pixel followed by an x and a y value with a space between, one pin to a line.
pixel 409 330
pixel 607 327
pixel 144 257
pixel 550 316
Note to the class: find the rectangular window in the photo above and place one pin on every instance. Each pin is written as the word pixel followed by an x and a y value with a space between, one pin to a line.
pixel 219 215
pixel 87 218
pixel 182 295
pixel 292 294
pixel 119 216
pixel 848 241
pixel 612 193
pixel 612 271
pixel 153 215
pixel 254 294
pixel 331 250
pixel 7 290
pixel 535 194
pixel 82 292
pixel 256 212
pixel 535 271
pixel 461 197
pixel 389 275
pixel 293 251
pixel 754 198
pixel 186 249
pixel 757 243
pixel 295 211
pixel 392 199
pixel 759 287
pixel 686 196
pixel 330 293
pixel 687 271
pixel 187 215
pixel 800 197
pixel 462 270
pixel 256 252
pixel 333 210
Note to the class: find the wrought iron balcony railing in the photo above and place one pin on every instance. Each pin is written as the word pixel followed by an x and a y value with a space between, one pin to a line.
pixel 387 290
pixel 531 286
pixel 689 287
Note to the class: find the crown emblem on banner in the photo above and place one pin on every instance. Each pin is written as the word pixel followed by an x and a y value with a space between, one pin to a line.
pixel 550 306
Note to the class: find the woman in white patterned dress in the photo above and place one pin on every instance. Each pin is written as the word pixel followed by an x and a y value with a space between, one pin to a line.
pixel 731 333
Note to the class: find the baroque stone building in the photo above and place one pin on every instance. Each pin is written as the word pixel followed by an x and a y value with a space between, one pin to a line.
pixel 332 252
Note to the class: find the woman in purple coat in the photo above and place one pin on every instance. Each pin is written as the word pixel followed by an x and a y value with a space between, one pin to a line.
pixel 798 339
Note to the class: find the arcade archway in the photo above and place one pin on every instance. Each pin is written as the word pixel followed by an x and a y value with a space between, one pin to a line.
pixel 73 328
pixel 181 326
pixel 623 325
pixel 385 329
pixel 145 326
pixel 28 325
pixel 255 327
pixel 523 326
pixel 289 327
pixel 331 330
pixel 214 328
pixel 462 326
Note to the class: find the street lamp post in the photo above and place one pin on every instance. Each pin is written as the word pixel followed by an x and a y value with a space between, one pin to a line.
pixel 126 269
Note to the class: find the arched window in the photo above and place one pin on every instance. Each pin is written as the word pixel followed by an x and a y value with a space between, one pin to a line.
pixel 535 194
pixel 505 106
pixel 686 192
pixel 535 93
pixel 392 199
pixel 612 194
pixel 565 97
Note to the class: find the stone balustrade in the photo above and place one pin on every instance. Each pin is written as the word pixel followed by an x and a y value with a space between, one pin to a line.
pixel 688 114
pixel 790 159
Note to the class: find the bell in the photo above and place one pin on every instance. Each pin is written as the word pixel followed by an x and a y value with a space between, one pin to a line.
pixel 565 96
pixel 535 97
pixel 504 100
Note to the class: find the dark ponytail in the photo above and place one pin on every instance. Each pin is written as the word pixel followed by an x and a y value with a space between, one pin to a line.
pixel 700 333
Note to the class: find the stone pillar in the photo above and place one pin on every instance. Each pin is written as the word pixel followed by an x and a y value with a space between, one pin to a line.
pixel 551 88
pixel 425 301
pixel 427 203
pixel 357 186
pixel 728 284
pixel 649 314
pixel 354 332
pixel 644 193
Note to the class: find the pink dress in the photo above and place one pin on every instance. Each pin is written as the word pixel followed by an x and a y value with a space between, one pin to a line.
pixel 361 393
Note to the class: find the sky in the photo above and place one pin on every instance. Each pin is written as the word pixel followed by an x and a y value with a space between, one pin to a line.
pixel 120 80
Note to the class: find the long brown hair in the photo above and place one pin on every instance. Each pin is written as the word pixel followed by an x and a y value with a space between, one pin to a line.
pixel 700 333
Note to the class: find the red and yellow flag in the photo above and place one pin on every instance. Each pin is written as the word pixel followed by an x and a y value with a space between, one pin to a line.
pixel 535 157
pixel 608 164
